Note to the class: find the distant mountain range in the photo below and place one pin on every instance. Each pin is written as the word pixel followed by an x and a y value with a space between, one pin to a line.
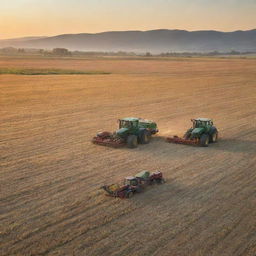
pixel 155 41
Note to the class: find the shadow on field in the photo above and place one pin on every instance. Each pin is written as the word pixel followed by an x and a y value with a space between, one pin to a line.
pixel 228 145
pixel 159 144
pixel 173 194
pixel 235 146
pixel 170 187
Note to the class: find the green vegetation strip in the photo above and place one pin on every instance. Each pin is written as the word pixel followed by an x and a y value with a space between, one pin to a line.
pixel 29 71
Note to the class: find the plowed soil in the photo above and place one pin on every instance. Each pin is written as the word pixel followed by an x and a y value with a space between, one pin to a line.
pixel 51 201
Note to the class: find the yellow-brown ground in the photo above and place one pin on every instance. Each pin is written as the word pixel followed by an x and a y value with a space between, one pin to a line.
pixel 51 203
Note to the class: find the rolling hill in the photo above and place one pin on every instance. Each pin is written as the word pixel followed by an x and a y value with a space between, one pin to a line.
pixel 155 41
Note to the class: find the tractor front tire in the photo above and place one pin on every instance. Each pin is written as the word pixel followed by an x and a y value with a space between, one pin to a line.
pixel 204 140
pixel 213 135
pixel 144 137
pixel 129 194
pixel 132 141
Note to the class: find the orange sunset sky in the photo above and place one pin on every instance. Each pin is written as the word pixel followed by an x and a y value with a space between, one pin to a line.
pixel 20 18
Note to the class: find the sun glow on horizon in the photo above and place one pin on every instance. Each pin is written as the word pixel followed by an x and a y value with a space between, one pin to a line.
pixel 45 18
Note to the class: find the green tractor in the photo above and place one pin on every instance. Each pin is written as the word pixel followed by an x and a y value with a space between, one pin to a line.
pixel 202 133
pixel 131 131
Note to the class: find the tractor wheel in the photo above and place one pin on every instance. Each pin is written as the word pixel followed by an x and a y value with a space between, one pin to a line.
pixel 204 140
pixel 132 141
pixel 213 135
pixel 160 181
pixel 152 132
pixel 144 137
pixel 129 194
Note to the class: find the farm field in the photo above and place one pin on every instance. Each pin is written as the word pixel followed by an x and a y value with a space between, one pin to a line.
pixel 50 201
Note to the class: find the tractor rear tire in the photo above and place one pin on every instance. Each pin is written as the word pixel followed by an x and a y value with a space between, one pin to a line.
pixel 132 141
pixel 204 140
pixel 144 137
pixel 129 194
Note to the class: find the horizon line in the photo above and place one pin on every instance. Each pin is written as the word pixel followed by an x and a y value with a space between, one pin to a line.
pixel 111 31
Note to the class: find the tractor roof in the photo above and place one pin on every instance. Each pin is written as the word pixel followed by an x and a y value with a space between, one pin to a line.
pixel 130 178
pixel 130 119
pixel 203 119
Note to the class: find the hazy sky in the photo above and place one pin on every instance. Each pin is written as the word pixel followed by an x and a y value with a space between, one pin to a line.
pixel 51 17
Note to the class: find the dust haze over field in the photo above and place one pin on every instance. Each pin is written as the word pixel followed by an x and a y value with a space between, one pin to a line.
pixel 51 203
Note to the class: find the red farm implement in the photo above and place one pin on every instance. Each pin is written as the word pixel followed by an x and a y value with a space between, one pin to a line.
pixel 107 139
pixel 134 184
pixel 179 140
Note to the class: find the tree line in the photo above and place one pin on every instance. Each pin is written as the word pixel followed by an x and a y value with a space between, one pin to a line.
pixel 65 52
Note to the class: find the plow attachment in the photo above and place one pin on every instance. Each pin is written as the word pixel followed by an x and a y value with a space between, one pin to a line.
pixel 179 140
pixel 115 190
pixel 107 139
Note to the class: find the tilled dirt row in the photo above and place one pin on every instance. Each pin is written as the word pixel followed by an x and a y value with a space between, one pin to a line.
pixel 51 173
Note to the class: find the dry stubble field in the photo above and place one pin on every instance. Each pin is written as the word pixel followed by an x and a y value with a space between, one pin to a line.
pixel 51 203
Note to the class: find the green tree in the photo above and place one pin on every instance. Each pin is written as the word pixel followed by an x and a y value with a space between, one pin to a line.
pixel 61 51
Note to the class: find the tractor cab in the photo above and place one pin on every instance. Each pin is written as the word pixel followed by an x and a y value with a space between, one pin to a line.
pixel 131 181
pixel 201 123
pixel 128 123
pixel 127 126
